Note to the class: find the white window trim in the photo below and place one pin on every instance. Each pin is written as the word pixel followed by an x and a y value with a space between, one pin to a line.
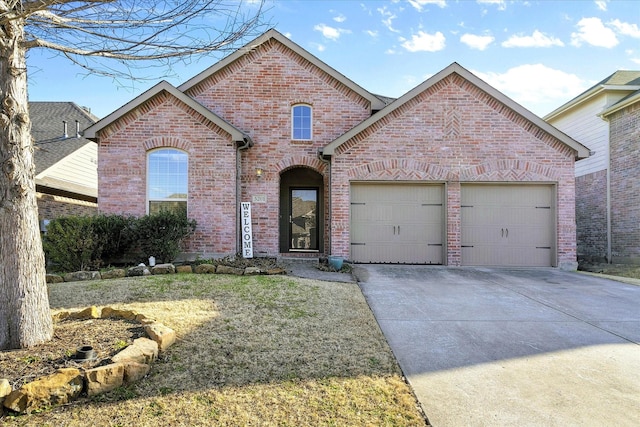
pixel 148 199
pixel 302 104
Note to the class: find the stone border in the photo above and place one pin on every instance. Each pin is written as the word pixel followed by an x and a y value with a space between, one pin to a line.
pixel 131 364
pixel 143 270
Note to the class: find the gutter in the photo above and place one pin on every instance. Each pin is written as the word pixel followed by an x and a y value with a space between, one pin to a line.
pixel 242 145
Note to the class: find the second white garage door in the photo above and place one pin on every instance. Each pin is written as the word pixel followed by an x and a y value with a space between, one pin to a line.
pixel 508 225
pixel 397 223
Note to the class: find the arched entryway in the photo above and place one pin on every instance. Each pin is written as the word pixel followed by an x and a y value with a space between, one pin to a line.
pixel 301 211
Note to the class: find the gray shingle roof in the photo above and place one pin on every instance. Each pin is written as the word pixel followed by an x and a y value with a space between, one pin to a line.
pixel 48 132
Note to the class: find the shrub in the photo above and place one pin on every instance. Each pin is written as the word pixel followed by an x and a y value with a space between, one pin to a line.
pixel 70 243
pixel 77 243
pixel 115 236
pixel 161 235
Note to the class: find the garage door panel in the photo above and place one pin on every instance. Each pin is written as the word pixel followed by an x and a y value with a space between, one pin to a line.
pixel 510 225
pixel 397 223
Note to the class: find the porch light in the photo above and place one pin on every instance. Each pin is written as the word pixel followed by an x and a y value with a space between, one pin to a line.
pixel 259 172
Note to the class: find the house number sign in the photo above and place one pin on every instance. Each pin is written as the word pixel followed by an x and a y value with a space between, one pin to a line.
pixel 247 239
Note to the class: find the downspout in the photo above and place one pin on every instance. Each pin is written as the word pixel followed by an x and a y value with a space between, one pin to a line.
pixel 609 250
pixel 609 245
pixel 327 161
pixel 242 145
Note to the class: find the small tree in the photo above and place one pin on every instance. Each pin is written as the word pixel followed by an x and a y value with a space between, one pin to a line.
pixel 89 33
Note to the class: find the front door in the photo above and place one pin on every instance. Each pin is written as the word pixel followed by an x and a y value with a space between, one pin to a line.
pixel 303 219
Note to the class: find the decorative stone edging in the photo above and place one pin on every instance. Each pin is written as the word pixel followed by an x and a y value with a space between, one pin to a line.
pixel 143 270
pixel 128 366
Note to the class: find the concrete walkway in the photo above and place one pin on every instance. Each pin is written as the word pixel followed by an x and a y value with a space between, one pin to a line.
pixel 511 347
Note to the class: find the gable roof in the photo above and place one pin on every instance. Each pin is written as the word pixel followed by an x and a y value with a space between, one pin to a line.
pixel 623 103
pixel 455 68
pixel 377 103
pixel 236 134
pixel 47 130
pixel 621 80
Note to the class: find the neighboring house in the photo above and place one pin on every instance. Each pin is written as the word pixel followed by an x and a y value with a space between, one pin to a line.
pixel 605 118
pixel 452 173
pixel 66 162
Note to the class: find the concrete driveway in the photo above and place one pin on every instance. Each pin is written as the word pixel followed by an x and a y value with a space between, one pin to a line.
pixel 511 347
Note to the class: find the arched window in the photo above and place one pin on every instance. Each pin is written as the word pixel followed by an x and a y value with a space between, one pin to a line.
pixel 301 119
pixel 167 180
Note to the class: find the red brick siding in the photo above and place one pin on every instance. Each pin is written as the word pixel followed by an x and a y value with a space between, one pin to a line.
pixel 454 133
pixel 50 207
pixel 166 122
pixel 591 216
pixel 624 136
pixel 256 94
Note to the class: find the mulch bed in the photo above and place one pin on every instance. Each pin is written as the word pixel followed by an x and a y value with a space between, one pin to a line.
pixel 106 336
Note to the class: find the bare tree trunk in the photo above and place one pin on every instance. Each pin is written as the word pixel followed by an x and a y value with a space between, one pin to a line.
pixel 25 318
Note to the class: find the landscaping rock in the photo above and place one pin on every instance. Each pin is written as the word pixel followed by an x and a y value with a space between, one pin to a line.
pixel 277 270
pixel 56 389
pixel 165 337
pixel 88 313
pixel 134 371
pixel 163 269
pixel 58 317
pixel 143 350
pixel 252 271
pixel 54 278
pixel 82 275
pixel 225 269
pixel 109 312
pixel 184 269
pixel 139 270
pixel 5 390
pixel 205 269
pixel 114 274
pixel 104 378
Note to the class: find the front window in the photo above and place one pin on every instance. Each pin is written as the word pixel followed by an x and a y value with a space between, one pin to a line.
pixel 301 122
pixel 167 183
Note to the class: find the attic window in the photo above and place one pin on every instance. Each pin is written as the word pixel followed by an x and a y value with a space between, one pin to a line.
pixel 301 127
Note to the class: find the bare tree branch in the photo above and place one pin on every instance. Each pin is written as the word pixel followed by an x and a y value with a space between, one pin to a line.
pixel 114 37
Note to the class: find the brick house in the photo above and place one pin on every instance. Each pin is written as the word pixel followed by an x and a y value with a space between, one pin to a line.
pixel 66 162
pixel 605 118
pixel 452 173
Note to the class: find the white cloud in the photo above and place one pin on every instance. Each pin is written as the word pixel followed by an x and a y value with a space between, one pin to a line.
pixel 424 42
pixel 340 18
pixel 537 39
pixel 319 47
pixel 626 29
pixel 477 42
pixel 388 18
pixel 499 3
pixel 602 5
pixel 419 4
pixel 536 86
pixel 371 33
pixel 592 31
pixel 330 32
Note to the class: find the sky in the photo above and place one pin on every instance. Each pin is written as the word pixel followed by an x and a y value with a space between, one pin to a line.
pixel 541 54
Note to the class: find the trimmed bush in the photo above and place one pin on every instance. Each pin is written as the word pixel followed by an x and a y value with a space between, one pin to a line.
pixel 78 243
pixel 70 243
pixel 161 235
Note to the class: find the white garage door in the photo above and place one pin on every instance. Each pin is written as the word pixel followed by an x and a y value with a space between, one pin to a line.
pixel 397 223
pixel 508 225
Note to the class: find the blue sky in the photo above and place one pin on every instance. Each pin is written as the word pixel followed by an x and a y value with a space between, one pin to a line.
pixel 539 53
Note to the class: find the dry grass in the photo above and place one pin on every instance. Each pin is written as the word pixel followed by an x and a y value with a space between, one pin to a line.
pixel 252 351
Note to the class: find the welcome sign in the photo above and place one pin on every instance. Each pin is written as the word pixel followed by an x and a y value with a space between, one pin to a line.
pixel 247 239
